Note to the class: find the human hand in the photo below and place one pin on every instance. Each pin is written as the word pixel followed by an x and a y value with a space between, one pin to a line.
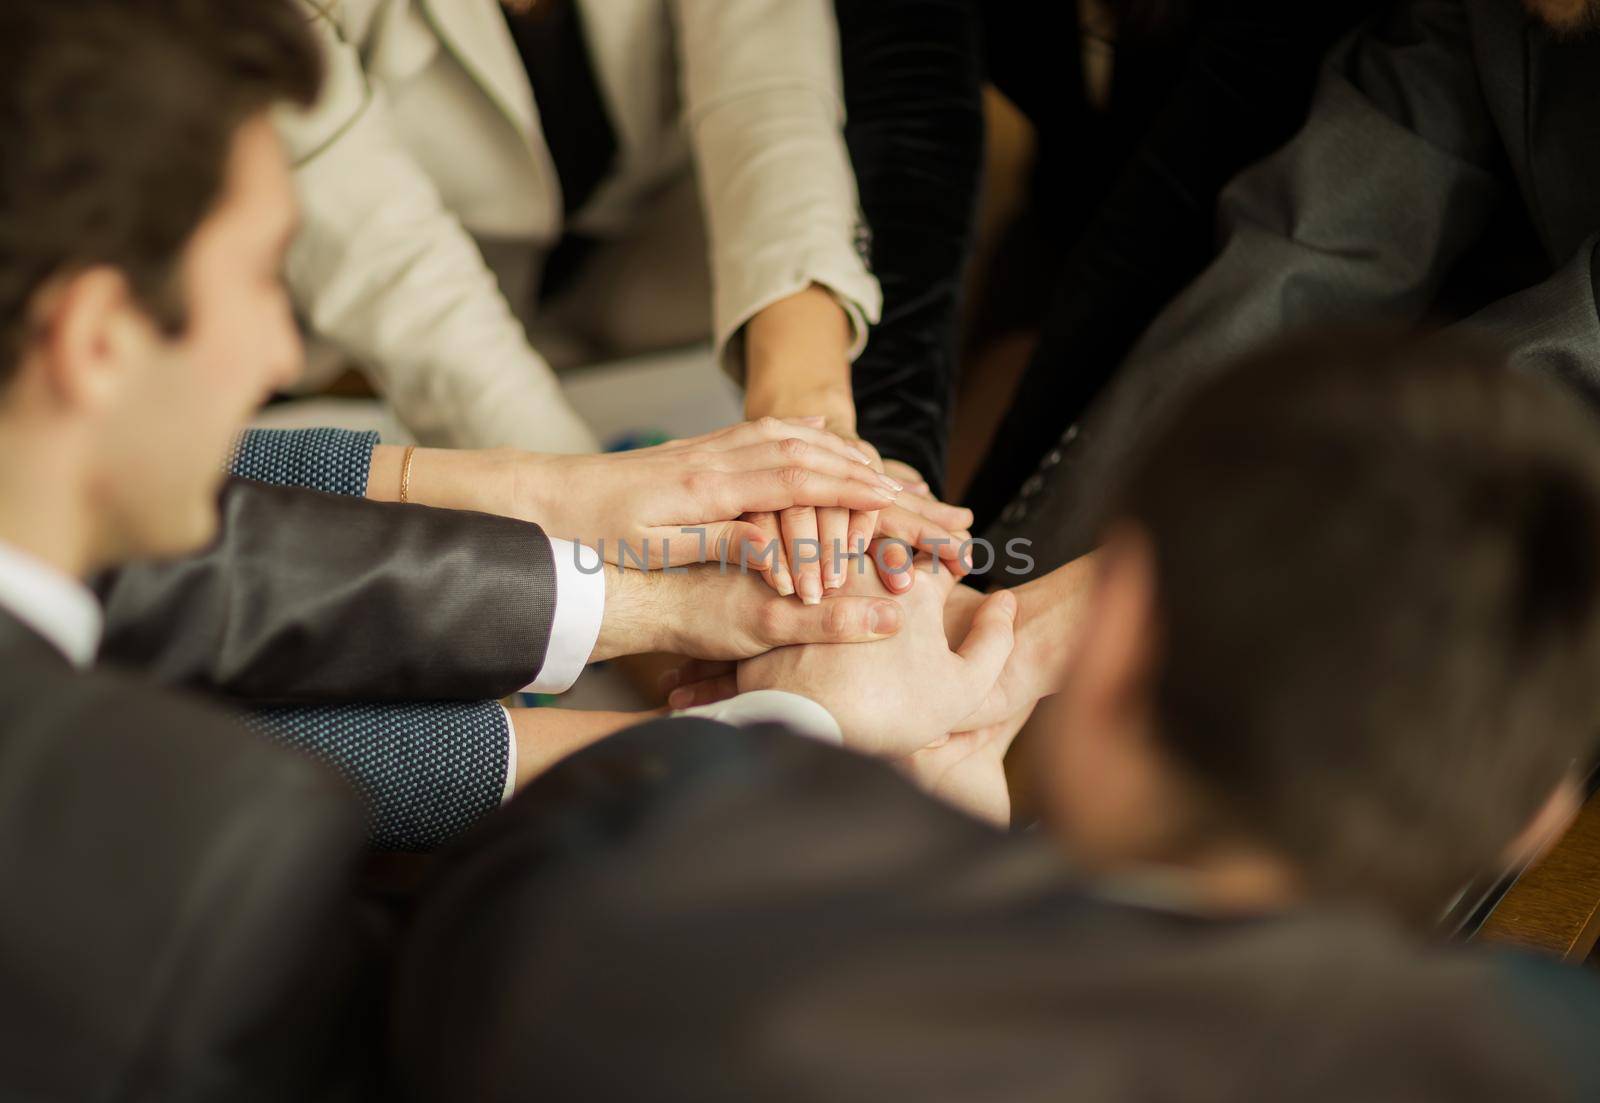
pixel 1049 615
pixel 680 502
pixel 711 613
pixel 968 769
pixel 896 696
pixel 812 545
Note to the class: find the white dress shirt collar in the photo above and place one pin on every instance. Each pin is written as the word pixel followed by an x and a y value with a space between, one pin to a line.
pixel 56 606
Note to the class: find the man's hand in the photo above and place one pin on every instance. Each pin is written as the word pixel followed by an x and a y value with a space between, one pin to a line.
pixel 968 770
pixel 897 696
pixel 706 612
pixel 1049 611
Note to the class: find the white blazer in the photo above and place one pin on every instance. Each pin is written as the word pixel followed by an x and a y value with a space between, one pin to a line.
pixel 427 125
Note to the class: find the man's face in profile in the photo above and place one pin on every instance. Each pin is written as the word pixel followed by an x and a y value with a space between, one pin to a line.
pixel 1570 16
pixel 164 456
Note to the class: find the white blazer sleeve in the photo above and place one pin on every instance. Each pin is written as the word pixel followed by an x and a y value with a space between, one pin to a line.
pixel 763 100
pixel 383 271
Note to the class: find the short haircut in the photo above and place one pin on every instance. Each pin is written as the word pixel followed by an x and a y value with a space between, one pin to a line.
pixel 118 117
pixel 1378 575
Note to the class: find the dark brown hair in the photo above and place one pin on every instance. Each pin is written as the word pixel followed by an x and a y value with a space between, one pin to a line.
pixel 1379 592
pixel 117 119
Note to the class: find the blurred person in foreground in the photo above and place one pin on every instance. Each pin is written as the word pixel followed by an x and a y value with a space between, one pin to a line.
pixel 1300 716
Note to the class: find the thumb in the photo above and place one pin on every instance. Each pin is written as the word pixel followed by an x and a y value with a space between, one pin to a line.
pixel 835 620
pixel 712 543
pixel 989 641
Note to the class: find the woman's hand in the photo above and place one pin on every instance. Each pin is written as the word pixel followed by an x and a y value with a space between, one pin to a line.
pixel 681 502
pixel 797 354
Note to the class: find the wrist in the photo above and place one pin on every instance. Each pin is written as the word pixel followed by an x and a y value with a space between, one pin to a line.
pixel 781 394
pixel 480 480
pixel 634 621
pixel 546 736
pixel 1049 614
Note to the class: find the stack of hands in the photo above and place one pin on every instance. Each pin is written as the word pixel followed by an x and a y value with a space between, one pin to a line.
pixel 776 554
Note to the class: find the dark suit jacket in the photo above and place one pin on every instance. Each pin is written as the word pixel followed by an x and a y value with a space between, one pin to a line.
pixel 687 912
pixel 176 921
pixel 1450 166
pixel 320 597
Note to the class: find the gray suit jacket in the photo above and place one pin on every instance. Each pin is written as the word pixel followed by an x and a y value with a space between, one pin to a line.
pixel 1450 168
pixel 686 913
pixel 176 921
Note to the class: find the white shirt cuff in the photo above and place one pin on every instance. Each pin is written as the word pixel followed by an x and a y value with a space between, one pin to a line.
pixel 801 715
pixel 511 758
pixel 580 605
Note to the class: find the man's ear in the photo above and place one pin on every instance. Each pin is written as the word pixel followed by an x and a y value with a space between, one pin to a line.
pixel 90 330
pixel 1120 639
pixel 1552 819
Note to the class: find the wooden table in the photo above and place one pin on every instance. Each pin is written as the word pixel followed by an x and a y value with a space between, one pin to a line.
pixel 1555 905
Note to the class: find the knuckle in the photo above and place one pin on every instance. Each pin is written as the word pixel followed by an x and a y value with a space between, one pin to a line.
pixel 793 448
pixel 793 476
pixel 770 619
pixel 838 620
pixel 769 426
pixel 701 483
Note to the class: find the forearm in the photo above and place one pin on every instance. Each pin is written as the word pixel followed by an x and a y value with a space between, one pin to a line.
pixel 482 480
pixel 1049 616
pixel 797 360
pixel 545 736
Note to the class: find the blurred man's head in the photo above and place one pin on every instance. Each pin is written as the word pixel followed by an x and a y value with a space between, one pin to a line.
pixel 1348 621
pixel 144 208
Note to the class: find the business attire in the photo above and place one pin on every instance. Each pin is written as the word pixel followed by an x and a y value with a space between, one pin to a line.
pixel 377 637
pixel 1123 192
pixel 176 921
pixel 686 912
pixel 179 920
pixel 1445 171
pixel 431 123
pixel 914 126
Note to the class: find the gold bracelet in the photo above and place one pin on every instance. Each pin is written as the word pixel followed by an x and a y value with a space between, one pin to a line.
pixel 405 473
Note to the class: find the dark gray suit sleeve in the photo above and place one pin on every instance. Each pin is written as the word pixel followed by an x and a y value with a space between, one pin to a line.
pixel 309 597
pixel 1359 218
pixel 1553 326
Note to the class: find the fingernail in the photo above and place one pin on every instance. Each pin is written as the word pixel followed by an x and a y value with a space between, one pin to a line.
pixel 785 585
pixel 885 618
pixel 680 698
pixel 890 483
pixel 902 582
pixel 811 590
pixel 862 456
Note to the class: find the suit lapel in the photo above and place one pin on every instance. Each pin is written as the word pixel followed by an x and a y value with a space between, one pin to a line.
pixel 17 639
pixel 474 31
